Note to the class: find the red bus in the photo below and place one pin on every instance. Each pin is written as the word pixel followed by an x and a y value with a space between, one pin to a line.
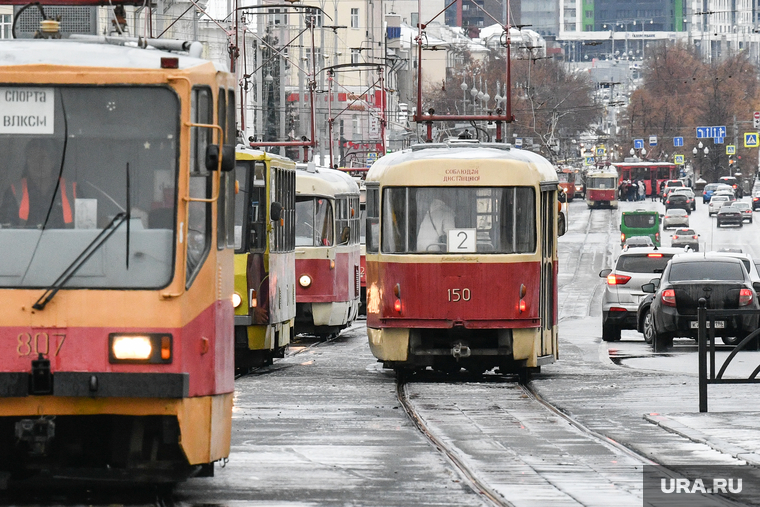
pixel 651 173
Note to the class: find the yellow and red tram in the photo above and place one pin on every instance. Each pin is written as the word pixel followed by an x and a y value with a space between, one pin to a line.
pixel 116 233
pixel 602 189
pixel 461 258
pixel 327 250
pixel 265 292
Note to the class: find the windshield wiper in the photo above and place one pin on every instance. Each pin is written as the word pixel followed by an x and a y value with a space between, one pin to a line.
pixel 83 257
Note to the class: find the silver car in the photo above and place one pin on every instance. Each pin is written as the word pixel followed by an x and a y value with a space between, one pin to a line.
pixel 716 203
pixel 675 217
pixel 685 237
pixel 745 208
pixel 622 292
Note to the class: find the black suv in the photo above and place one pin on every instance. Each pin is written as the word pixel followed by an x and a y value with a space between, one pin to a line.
pixel 723 282
pixel 678 201
pixel 730 180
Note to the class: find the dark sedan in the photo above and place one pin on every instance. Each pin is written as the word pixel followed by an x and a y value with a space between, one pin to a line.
pixel 723 282
pixel 728 215
pixel 678 201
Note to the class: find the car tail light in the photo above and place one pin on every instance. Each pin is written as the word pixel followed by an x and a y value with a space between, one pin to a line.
pixel 669 297
pixel 694 237
pixel 745 297
pixel 614 279
pixel 654 255
pixel 666 216
pixel 667 202
pixel 675 236
pixel 622 237
pixel 756 198
pixel 617 309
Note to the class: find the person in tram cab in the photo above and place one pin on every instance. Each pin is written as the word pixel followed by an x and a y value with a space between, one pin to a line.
pixel 435 223
pixel 40 198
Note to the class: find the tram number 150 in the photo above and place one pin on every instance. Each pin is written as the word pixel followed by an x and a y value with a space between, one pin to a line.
pixel 459 295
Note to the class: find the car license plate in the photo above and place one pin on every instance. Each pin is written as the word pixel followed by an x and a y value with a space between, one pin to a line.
pixel 719 324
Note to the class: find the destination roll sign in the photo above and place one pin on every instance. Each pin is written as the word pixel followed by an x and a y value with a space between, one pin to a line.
pixel 27 110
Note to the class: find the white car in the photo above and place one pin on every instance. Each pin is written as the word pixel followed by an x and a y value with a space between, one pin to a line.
pixel 746 259
pixel 716 203
pixel 675 217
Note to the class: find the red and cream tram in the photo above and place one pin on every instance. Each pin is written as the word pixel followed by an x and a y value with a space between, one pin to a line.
pixel 602 188
pixel 566 177
pixel 327 250
pixel 653 174
pixel 264 297
pixel 461 258
pixel 117 236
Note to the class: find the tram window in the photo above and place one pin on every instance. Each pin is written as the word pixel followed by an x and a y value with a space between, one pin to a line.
pixel 418 220
pixel 110 131
pixel 314 222
pixel 373 219
pixel 231 124
pixel 285 195
pixel 250 207
pixel 199 213
pixel 342 221
pixel 225 203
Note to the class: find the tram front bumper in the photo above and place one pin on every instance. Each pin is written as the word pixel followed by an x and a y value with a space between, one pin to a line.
pixel 100 385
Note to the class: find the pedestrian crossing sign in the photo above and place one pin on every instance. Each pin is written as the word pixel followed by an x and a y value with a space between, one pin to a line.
pixel 730 149
pixel 751 140
pixel 679 159
pixel 589 161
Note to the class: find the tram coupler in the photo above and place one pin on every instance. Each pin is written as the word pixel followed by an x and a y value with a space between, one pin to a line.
pixel 460 350
pixel 41 380
pixel 37 433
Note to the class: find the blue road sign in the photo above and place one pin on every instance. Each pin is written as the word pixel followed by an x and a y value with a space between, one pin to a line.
pixel 715 132
pixel 638 144
pixel 678 141
pixel 751 140
pixel 652 140
pixel 718 140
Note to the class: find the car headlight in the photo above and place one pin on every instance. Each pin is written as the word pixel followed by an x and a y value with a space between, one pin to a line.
pixel 140 348
pixel 237 299
pixel 304 281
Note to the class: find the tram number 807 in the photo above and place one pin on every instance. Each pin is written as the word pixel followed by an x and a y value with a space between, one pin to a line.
pixel 459 295
pixel 39 343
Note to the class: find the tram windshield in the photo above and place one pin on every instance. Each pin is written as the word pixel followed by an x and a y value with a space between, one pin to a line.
pixel 314 222
pixel 73 158
pixel 602 182
pixel 459 220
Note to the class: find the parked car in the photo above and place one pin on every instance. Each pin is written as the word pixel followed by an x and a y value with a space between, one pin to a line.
pixel 685 237
pixel 674 218
pixel 638 242
pixel 678 201
pixel 729 215
pixel 745 208
pixel 716 203
pixel 723 282
pixel 640 223
pixel 688 192
pixel 734 183
pixel 708 192
pixel 622 293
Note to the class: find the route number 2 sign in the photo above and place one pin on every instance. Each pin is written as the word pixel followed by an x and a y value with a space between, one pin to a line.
pixel 462 241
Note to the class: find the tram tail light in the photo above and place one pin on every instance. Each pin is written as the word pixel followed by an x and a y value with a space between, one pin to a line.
pixel 148 348
pixel 254 299
pixel 745 297
pixel 522 305
pixel 669 297
pixel 397 293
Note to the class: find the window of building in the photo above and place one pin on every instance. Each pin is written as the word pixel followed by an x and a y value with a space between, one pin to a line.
pixel 315 17
pixel 357 124
pixel 5 26
pixel 415 19
pixel 354 17
pixel 355 55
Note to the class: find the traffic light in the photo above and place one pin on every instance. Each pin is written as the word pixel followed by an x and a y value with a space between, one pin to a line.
pixel 730 162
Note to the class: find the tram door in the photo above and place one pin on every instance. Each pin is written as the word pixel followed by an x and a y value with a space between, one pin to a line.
pixel 547 217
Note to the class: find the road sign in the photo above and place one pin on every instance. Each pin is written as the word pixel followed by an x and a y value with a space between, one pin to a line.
pixel 678 141
pixel 730 149
pixel 678 159
pixel 756 123
pixel 638 144
pixel 751 140
pixel 600 152
pixel 705 132
pixel 518 142
pixel 756 115
pixel 718 140
pixel 652 140
pixel 588 161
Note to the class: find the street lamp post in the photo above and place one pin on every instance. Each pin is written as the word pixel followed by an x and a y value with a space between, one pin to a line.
pixel 463 86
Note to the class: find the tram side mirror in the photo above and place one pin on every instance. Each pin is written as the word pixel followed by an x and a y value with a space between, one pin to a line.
pixel 603 273
pixel 562 197
pixel 648 288
pixel 275 211
pixel 228 157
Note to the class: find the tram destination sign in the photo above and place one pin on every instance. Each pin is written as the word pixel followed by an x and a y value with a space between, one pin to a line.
pixel 714 132
pixel 27 110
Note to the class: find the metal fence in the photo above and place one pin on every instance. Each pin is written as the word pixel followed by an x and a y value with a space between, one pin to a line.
pixel 706 342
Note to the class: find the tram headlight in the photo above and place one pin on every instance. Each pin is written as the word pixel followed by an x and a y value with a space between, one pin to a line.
pixel 237 299
pixel 132 347
pixel 150 348
pixel 304 281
